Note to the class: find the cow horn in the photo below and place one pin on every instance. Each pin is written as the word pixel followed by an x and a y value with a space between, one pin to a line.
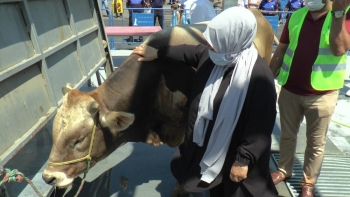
pixel 67 88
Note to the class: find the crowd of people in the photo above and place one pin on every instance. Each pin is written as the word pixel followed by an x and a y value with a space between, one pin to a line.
pixel 271 7
pixel 198 10
pixel 201 10
pixel 183 11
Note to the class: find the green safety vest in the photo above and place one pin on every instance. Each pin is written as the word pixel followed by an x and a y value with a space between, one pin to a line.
pixel 328 71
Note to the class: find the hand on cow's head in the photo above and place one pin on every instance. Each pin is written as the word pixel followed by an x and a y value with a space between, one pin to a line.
pixel 148 53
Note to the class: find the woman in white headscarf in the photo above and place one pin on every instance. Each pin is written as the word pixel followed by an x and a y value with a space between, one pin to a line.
pixel 232 110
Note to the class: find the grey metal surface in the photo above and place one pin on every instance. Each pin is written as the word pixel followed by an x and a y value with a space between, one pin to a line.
pixel 227 4
pixel 44 44
pixel 334 180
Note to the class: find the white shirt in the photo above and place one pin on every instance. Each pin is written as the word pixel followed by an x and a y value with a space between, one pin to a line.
pixel 242 3
pixel 187 6
pixel 202 10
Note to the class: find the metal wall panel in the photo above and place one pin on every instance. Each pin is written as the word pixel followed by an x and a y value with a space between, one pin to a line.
pixel 87 43
pixel 51 22
pixel 82 15
pixel 63 63
pixel 24 100
pixel 44 44
pixel 15 43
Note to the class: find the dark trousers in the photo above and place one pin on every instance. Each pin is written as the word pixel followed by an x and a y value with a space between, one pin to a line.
pixel 158 14
pixel 134 11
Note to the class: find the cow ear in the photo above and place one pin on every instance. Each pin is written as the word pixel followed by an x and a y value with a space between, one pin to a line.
pixel 117 121
pixel 67 88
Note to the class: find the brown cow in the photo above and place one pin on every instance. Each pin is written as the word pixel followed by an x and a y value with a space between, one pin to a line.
pixel 139 102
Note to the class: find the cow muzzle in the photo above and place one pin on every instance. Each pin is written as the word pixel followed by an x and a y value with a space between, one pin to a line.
pixel 58 179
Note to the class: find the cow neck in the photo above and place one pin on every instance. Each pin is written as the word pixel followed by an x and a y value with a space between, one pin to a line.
pixel 107 96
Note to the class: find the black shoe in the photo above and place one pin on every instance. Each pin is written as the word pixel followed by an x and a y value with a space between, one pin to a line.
pixel 128 40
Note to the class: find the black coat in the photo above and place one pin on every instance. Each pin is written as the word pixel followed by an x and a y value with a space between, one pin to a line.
pixel 251 139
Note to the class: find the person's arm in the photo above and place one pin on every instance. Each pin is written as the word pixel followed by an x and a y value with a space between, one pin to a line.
pixel 277 58
pixel 178 18
pixel 339 36
pixel 276 9
pixel 278 55
pixel 256 137
pixel 250 3
pixel 287 7
pixel 188 54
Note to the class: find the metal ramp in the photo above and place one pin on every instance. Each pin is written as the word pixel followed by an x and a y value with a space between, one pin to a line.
pixel 334 180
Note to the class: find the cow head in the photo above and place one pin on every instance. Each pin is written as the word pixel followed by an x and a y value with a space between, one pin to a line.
pixel 73 128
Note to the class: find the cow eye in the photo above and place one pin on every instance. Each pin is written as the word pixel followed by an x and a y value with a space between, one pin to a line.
pixel 77 142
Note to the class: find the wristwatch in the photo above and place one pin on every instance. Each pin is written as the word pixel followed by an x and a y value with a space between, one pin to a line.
pixel 338 13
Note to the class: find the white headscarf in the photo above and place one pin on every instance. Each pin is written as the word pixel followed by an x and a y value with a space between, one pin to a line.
pixel 231 33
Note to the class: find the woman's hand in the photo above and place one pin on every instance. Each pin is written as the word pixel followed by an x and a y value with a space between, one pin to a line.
pixel 238 172
pixel 148 53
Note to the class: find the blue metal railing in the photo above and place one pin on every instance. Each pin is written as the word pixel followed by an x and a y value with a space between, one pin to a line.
pixel 111 22
pixel 280 14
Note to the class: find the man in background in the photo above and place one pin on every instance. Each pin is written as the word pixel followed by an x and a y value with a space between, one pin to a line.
pixel 105 6
pixel 134 4
pixel 311 61
pixel 293 5
pixel 158 11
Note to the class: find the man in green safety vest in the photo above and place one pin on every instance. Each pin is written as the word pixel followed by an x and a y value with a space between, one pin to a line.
pixel 311 62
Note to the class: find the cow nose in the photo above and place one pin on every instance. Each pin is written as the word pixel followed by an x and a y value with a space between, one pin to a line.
pixel 49 180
